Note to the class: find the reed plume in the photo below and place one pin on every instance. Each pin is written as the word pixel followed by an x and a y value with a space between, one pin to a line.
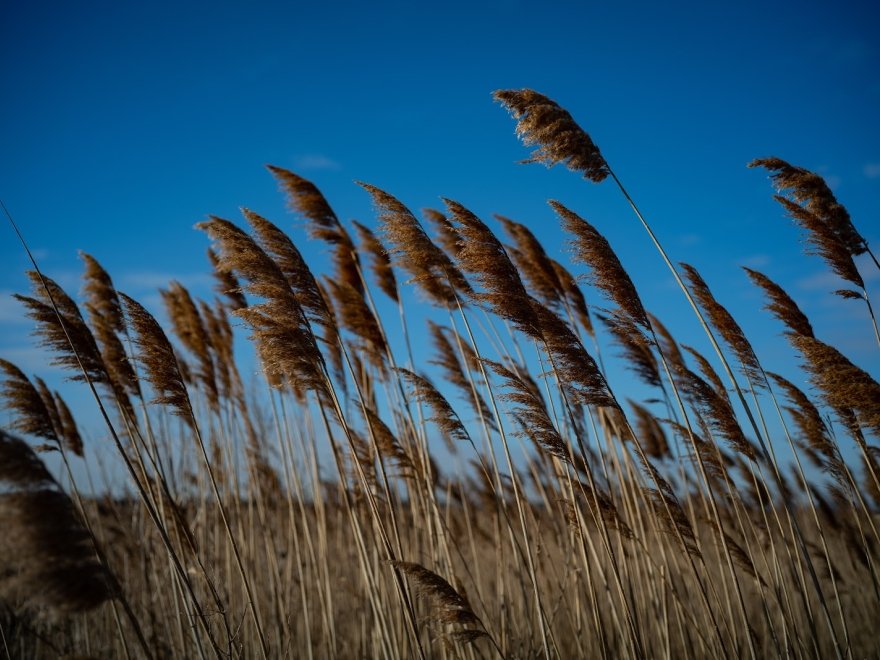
pixel 157 356
pixel 227 284
pixel 824 242
pixel 808 188
pixel 444 416
pixel 846 388
pixel 533 263
pixel 446 234
pixel 64 332
pixel 49 560
pixel 305 199
pixel 483 256
pixel 543 124
pixel 590 248
pixel 32 415
pixel 636 347
pixel 781 305
pixel 412 250
pixel 379 261
pixel 727 327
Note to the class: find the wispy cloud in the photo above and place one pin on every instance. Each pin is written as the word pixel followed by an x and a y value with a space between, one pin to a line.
pixel 687 240
pixel 871 170
pixel 756 260
pixel 148 280
pixel 315 162
pixel 11 311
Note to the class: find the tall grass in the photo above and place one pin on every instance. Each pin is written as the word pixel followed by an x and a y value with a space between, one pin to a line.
pixel 303 513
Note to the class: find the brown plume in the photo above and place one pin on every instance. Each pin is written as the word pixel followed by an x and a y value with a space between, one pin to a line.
pixel 810 189
pixel 637 348
pixel 846 388
pixel 68 336
pixel 824 242
pixel 379 261
pixel 545 125
pixel 590 248
pixel 158 359
pixel 49 560
pixel 727 326
pixel 227 283
pixel 533 263
pixel 412 250
pixel 781 305
pixel 483 256
pixel 447 605
pixel 445 417
pixel 287 347
pixel 446 234
pixel 305 199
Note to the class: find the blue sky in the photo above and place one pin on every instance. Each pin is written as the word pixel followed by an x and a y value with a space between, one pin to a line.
pixel 124 124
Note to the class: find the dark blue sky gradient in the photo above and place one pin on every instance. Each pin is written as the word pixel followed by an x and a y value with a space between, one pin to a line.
pixel 124 124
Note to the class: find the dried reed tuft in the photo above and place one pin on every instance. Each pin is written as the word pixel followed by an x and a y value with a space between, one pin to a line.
pixel 726 325
pixel 810 189
pixel 49 560
pixel 558 138
pixel 379 260
pixel 781 304
pixel 412 250
pixel 590 248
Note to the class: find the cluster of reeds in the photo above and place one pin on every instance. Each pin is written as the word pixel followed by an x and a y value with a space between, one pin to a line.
pixel 504 495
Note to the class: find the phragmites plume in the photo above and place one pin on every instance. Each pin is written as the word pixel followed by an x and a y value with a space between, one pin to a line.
pixel 64 332
pixel 531 413
pixel 446 233
pixel 813 430
pixel 355 316
pixel 543 124
pixel 412 250
pixel 444 416
pixel 781 305
pixel 637 348
pixel 285 341
pixel 824 242
pixel 483 256
pixel 574 297
pixel 846 388
pixel 157 356
pixel 726 325
pixel 387 444
pixel 590 248
pixel 227 284
pixel 305 199
pixel 32 415
pixel 289 260
pixel 379 261
pixel 576 368
pixel 191 330
pixel 810 189
pixel 650 432
pixel 49 560
pixel 533 263
pixel 448 606
pixel 453 371
pixel 101 294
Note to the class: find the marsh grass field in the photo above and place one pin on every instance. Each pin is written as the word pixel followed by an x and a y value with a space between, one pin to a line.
pixel 304 513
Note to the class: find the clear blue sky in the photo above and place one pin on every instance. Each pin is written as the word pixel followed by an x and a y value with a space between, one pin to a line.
pixel 123 124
